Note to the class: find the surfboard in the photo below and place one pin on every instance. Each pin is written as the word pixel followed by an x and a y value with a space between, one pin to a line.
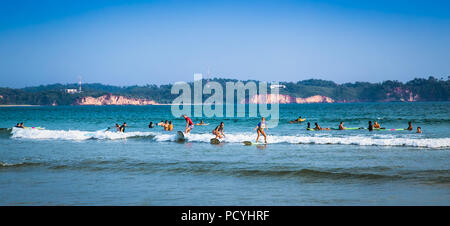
pixel 215 141
pixel 389 129
pixel 32 127
pixel 351 128
pixel 180 136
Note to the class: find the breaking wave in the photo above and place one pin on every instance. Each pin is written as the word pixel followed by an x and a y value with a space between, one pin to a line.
pixel 74 134
pixel 77 135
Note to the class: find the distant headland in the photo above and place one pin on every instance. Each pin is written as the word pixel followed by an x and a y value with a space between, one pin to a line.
pixel 305 91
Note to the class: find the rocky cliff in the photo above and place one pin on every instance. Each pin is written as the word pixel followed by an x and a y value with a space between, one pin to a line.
pixel 113 100
pixel 286 99
pixel 399 94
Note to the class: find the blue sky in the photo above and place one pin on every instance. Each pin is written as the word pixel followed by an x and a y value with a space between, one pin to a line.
pixel 158 42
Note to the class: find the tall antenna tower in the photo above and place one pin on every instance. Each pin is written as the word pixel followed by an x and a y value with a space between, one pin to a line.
pixel 207 78
pixel 79 83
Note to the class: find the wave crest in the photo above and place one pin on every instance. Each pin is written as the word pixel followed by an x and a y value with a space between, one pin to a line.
pixel 74 134
pixel 376 140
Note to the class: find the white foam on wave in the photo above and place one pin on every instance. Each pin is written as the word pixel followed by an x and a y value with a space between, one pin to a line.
pixel 73 134
pixel 385 140
pixel 347 140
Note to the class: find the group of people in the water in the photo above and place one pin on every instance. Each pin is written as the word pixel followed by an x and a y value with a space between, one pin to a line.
pixel 260 127
pixel 121 128
pixel 167 125
pixel 218 130
pixel 19 125
pixel 371 127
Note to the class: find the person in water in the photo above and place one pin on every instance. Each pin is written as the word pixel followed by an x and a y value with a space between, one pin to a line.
pixel 122 127
pixel 18 125
pixel 201 123
pixel 299 119
pixel 419 130
pixel 166 125
pixel 309 126
pixel 376 125
pixel 21 125
pixel 410 128
pixel 341 126
pixel 370 126
pixel 319 128
pixel 117 127
pixel 189 124
pixel 151 125
pixel 161 123
pixel 260 129
pixel 170 127
pixel 218 131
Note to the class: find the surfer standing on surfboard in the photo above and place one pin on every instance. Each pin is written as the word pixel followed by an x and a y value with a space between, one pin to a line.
pixel 218 131
pixel 189 124
pixel 260 129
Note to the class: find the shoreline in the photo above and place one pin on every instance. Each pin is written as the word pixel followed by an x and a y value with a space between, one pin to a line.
pixel 19 105
pixel 158 104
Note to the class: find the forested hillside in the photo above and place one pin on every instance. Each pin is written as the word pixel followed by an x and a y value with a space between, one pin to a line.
pixel 419 89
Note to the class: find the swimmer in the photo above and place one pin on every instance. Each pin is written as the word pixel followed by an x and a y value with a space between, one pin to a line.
pixel 410 128
pixel 419 130
pixel 166 125
pixel 122 127
pixel 370 126
pixel 201 123
pixel 170 127
pixel 161 123
pixel 151 125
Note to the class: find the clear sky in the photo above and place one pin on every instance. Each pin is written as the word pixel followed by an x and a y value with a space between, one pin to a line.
pixel 158 42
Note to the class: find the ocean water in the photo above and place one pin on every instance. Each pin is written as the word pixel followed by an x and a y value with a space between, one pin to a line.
pixel 73 161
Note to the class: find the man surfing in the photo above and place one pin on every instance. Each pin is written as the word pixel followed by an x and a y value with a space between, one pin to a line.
pixel 189 124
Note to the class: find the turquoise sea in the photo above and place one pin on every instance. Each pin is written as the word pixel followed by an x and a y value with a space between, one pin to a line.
pixel 73 161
